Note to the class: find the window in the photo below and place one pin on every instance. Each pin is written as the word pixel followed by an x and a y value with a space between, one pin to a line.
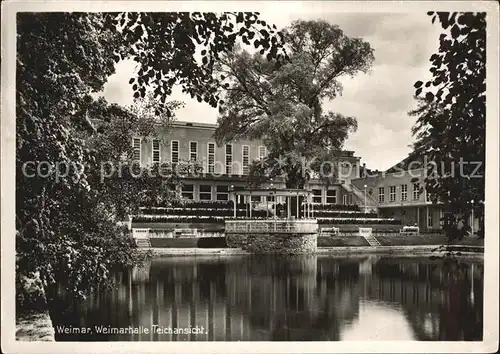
pixel 416 191
pixel 174 151
pixel 317 196
pixel 245 158
pixel 136 145
pixel 193 151
pixel 188 191
pixel 155 150
pixel 229 159
pixel 392 193
pixel 331 196
pixel 429 219
pixel 381 194
pixel 211 157
pixel 222 193
pixel 205 192
pixel 404 192
pixel 262 152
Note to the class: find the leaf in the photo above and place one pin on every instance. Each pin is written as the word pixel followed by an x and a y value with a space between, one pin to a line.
pixel 455 31
pixel 429 96
pixel 131 81
pixel 418 84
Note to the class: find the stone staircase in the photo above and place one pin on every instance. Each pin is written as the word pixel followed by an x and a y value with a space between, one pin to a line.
pixel 371 203
pixel 143 242
pixel 372 240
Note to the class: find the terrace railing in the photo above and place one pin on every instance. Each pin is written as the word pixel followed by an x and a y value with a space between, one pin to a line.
pixel 272 226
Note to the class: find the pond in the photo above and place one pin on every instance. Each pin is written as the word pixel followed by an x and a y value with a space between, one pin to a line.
pixel 296 298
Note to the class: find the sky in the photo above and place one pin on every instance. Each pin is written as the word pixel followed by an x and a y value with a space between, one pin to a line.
pixel 379 100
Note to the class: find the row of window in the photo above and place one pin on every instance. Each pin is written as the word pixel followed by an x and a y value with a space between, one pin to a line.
pixel 193 154
pixel 331 197
pixel 222 194
pixel 403 191
pixel 205 192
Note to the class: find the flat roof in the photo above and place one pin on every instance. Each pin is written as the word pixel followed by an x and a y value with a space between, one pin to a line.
pixel 180 123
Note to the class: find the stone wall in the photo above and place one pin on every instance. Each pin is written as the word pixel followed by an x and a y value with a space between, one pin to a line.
pixel 274 243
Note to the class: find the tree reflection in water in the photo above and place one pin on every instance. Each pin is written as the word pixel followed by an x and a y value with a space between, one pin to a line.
pixel 287 298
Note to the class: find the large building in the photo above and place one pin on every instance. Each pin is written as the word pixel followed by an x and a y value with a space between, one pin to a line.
pixel 401 195
pixel 396 193
pixel 226 167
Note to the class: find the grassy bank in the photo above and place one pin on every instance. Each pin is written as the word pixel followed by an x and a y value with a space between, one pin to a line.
pixel 397 240
pixel 34 326
pixel 220 242
pixel 189 242
pixel 323 241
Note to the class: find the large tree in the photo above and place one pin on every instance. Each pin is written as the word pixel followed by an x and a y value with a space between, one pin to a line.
pixel 283 104
pixel 451 112
pixel 65 215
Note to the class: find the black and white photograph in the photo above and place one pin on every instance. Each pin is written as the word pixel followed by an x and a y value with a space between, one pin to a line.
pixel 268 176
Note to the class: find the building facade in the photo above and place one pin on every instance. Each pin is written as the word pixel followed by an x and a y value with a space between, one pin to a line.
pixel 226 167
pixel 394 193
pixel 401 195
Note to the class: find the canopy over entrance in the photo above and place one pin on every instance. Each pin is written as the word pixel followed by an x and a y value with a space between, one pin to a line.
pixel 273 193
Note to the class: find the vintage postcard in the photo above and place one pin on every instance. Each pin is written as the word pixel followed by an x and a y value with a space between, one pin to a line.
pixel 236 176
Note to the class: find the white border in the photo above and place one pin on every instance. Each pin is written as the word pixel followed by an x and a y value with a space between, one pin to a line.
pixel 490 338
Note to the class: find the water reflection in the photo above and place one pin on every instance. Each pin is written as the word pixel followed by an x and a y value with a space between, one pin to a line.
pixel 287 298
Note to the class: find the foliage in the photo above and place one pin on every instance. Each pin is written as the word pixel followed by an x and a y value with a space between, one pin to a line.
pixel 65 212
pixel 169 47
pixel 283 105
pixel 450 124
pixel 64 233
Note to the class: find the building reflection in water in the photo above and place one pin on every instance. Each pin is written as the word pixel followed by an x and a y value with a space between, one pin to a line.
pixel 289 298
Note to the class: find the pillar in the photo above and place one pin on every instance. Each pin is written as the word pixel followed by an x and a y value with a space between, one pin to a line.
pixel 234 205
pixel 288 207
pixel 250 204
pixel 426 217
pixel 297 211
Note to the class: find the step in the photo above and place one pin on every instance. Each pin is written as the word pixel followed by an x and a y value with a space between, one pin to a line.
pixel 372 241
pixel 143 243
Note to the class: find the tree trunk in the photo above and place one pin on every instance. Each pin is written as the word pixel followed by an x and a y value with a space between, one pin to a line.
pixel 295 180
